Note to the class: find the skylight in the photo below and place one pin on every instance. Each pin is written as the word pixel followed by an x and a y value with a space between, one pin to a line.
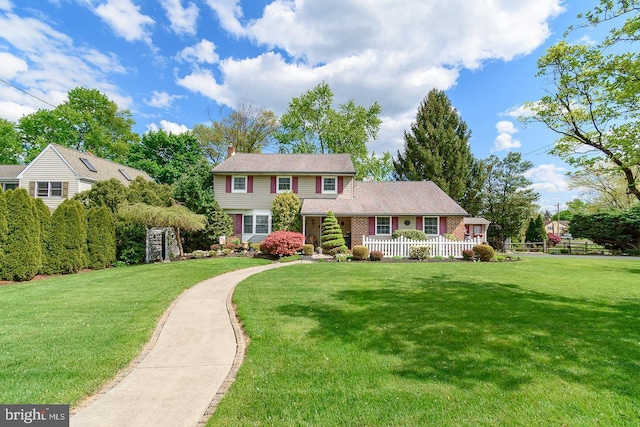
pixel 88 164
pixel 125 174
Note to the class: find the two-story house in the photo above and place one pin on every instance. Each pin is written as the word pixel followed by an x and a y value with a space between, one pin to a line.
pixel 246 184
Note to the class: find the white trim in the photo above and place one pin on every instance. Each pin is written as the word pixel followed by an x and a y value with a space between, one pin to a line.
pixel 335 178
pixel 233 183
pixel 290 189
pixel 390 225
pixel 424 224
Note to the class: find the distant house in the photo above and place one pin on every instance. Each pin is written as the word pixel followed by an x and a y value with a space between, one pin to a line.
pixel 58 173
pixel 556 227
pixel 246 184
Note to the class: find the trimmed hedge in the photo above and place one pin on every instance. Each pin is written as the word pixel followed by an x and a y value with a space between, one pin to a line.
pixel 332 240
pixel 485 253
pixel 22 257
pixel 67 240
pixel 419 252
pixel 307 249
pixel 360 253
pixel 410 234
pixel 101 238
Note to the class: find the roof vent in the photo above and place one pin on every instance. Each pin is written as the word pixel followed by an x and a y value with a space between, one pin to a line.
pixel 88 164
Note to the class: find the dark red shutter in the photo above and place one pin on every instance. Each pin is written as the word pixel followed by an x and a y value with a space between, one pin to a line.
pixel 273 184
pixel 372 226
pixel 340 184
pixel 419 223
pixel 394 223
pixel 294 184
pixel 249 184
pixel 318 184
pixel 228 183
pixel 443 225
pixel 238 226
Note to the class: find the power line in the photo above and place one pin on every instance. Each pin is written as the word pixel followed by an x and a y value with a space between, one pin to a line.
pixel 24 91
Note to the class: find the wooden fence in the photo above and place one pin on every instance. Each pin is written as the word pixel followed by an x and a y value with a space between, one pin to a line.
pixel 440 246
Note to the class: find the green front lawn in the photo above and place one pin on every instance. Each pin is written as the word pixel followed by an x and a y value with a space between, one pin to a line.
pixel 62 338
pixel 541 342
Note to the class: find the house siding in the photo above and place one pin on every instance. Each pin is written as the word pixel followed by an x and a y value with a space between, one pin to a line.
pixel 50 167
pixel 262 197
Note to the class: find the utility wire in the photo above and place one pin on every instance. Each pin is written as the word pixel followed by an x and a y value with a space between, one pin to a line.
pixel 24 91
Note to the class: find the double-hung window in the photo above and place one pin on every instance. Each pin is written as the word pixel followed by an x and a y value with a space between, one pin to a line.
pixel 284 184
pixel 255 224
pixel 239 184
pixel 329 185
pixel 9 186
pixel 431 225
pixel 262 224
pixel 248 224
pixel 49 189
pixel 383 226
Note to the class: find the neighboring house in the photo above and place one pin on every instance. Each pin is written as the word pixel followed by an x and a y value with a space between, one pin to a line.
pixel 9 176
pixel 476 227
pixel 60 172
pixel 556 227
pixel 246 184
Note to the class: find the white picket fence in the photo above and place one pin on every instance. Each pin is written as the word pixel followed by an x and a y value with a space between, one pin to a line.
pixel 440 246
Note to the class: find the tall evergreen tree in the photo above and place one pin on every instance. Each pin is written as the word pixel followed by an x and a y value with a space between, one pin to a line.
pixel 3 226
pixel 22 253
pixel 101 237
pixel 43 216
pixel 535 230
pixel 67 241
pixel 437 148
pixel 332 240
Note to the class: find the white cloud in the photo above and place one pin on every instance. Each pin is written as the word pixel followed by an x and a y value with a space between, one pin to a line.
pixel 168 127
pixel 505 140
pixel 50 65
pixel 548 178
pixel 517 112
pixel 183 19
pixel 368 50
pixel 6 5
pixel 11 65
pixel 202 52
pixel 125 19
pixel 161 99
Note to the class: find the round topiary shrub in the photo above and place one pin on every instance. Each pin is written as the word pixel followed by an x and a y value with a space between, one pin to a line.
pixel 307 249
pixel 419 252
pixel 360 253
pixel 467 255
pixel 485 253
pixel 282 243
pixel 376 256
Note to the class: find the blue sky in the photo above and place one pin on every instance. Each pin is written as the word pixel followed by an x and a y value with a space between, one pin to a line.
pixel 173 62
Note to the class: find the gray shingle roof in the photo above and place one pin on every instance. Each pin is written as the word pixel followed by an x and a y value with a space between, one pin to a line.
pixel 10 171
pixel 476 221
pixel 388 198
pixel 299 164
pixel 105 169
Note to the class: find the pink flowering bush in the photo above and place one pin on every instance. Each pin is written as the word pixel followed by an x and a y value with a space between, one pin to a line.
pixel 553 239
pixel 282 243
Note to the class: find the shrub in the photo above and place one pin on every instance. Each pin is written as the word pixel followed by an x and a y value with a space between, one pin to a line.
pixel 101 238
pixel 484 253
pixel 307 249
pixel 131 241
pixel 286 212
pixel 255 247
pixel 22 256
pixel 213 253
pixel 341 257
pixel 227 252
pixel 67 240
pixel 332 239
pixel 419 252
pixel 467 254
pixel 410 234
pixel 451 236
pixel 376 256
pixel 553 239
pixel 282 243
pixel 360 252
pixel 200 254
pixel 44 222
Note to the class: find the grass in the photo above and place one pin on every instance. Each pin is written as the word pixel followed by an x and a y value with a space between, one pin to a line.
pixel 62 338
pixel 544 342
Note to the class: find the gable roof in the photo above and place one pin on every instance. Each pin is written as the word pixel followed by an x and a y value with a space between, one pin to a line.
pixel 103 169
pixel 476 221
pixel 11 171
pixel 298 164
pixel 388 198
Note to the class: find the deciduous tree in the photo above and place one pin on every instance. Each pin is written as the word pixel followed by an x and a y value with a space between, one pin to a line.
pixel 11 152
pixel 86 121
pixel 286 212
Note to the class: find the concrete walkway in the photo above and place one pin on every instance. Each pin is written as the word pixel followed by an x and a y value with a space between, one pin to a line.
pixel 186 367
